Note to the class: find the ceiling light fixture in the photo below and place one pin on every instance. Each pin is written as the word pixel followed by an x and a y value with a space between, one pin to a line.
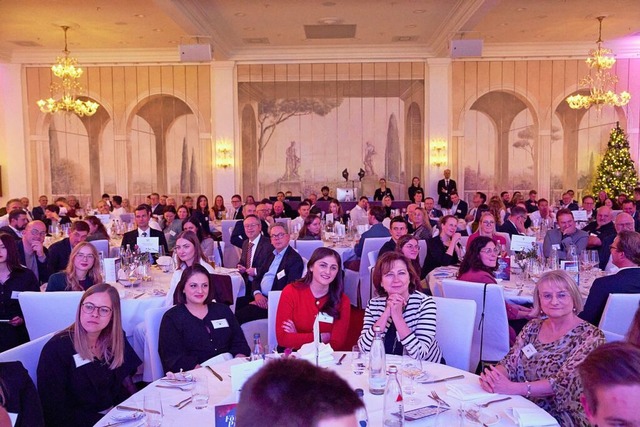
pixel 599 80
pixel 66 70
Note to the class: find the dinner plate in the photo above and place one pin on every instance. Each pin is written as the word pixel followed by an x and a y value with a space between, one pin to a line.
pixel 123 416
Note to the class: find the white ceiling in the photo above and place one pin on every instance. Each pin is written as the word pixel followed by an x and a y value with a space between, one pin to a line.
pixel 273 30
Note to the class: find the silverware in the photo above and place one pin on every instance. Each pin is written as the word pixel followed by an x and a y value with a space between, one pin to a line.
pixel 339 362
pixel 185 387
pixel 130 408
pixel 438 399
pixel 218 376
pixel 185 403
pixel 473 416
pixel 486 404
pixel 182 402
pixel 139 295
pixel 457 377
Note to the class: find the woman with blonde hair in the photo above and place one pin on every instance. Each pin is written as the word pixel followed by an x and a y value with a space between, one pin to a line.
pixel 82 272
pixel 422 224
pixel 86 369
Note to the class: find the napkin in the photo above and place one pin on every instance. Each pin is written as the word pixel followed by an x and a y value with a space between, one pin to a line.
pixel 164 260
pixel 468 392
pixel 531 417
pixel 325 353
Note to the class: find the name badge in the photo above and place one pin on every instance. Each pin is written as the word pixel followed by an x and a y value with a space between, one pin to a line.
pixel 220 323
pixel 529 350
pixel 80 361
pixel 324 317
pixel 280 274
pixel 15 294
pixel 172 233
pixel 555 246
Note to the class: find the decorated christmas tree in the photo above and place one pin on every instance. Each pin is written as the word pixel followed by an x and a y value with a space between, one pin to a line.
pixel 616 172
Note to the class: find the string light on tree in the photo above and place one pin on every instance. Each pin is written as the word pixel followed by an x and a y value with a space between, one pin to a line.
pixel 616 173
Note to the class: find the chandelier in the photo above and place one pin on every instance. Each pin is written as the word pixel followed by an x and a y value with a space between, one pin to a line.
pixel 599 80
pixel 65 69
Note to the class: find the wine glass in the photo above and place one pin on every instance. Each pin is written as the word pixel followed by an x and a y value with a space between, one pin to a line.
pixel 594 259
pixel 153 409
pixel 585 260
pixel 411 369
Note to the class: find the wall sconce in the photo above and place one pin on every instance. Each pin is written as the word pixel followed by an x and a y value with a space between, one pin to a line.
pixel 224 155
pixel 438 151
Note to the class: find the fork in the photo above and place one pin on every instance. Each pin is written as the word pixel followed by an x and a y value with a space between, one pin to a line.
pixel 185 404
pixel 486 404
pixel 177 405
pixel 437 398
pixel 176 386
pixel 473 416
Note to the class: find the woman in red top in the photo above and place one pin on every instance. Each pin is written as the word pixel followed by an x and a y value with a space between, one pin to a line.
pixel 320 292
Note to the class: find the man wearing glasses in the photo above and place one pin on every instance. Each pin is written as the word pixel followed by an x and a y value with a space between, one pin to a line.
pixel 59 252
pixel 625 254
pixel 31 249
pixel 567 234
pixel 283 265
pixel 515 223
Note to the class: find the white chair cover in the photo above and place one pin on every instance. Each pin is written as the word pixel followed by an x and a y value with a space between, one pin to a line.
pixel 423 251
pixel 101 246
pixel 306 247
pixel 46 312
pixel 274 299
pixel 231 253
pixel 152 320
pixel 618 313
pixel 494 332
pixel 286 222
pixel 28 354
pixel 455 321
pixel 362 277
pixel 260 326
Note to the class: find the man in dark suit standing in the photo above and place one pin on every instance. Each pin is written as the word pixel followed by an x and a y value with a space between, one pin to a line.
pixel 625 254
pixel 515 223
pixel 60 251
pixel 445 187
pixel 256 248
pixel 142 215
pixel 459 207
pixel 156 208
pixel 283 266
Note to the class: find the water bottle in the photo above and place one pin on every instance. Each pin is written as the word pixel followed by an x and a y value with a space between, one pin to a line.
pixel 553 259
pixel 101 260
pixel 126 257
pixel 361 414
pixel 377 364
pixel 393 404
pixel 258 350
pixel 571 253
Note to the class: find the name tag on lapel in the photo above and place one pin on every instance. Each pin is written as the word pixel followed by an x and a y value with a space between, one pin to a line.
pixel 324 317
pixel 220 323
pixel 79 361
pixel 280 274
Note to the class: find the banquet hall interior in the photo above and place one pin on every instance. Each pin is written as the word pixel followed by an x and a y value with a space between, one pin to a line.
pixel 212 97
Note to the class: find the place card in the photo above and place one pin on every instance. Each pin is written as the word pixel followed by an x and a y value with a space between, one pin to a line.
pixel 328 218
pixel 504 268
pixel 225 415
pixel 580 215
pixel 111 267
pixel 522 243
pixel 104 218
pixel 240 373
pixel 148 244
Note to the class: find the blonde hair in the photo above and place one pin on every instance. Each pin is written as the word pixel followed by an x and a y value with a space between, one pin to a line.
pixel 563 280
pixel 111 341
pixel 73 284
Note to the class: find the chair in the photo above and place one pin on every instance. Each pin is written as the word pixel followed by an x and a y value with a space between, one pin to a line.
pixel 352 279
pixel 260 326
pixel 101 246
pixel 231 253
pixel 152 320
pixel 463 241
pixel 618 313
pixel 46 312
pixel 306 247
pixel 491 327
pixel 218 252
pixel 423 251
pixel 455 321
pixel 28 354
pixel 274 299
pixel 285 222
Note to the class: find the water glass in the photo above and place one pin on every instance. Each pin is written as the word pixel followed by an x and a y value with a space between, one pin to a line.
pixel 357 360
pixel 200 393
pixel 153 409
pixel 411 369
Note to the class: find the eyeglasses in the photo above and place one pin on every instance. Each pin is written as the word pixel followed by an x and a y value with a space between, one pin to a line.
pixel 37 233
pixel 85 256
pixel 490 251
pixel 560 295
pixel 251 225
pixel 278 236
pixel 488 222
pixel 103 311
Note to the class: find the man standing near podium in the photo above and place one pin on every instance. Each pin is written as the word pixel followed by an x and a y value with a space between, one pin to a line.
pixel 445 187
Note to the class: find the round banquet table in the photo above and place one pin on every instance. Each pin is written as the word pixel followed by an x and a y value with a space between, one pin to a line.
pixel 220 393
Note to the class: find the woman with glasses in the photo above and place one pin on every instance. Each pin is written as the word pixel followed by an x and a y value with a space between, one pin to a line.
pixel 319 293
pixel 542 364
pixel 82 272
pixel 13 278
pixel 408 246
pixel 86 369
pixel 196 328
pixel 487 228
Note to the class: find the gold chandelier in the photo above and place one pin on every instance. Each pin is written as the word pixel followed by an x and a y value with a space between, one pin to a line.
pixel 599 80
pixel 65 69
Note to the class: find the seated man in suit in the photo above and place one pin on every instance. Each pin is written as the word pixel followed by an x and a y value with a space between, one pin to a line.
pixel 288 210
pixel 515 224
pixel 568 202
pixel 283 266
pixel 625 254
pixel 629 207
pixel 12 205
pixel 142 216
pixel 60 251
pixel 238 236
pixel 433 213
pixel 32 252
pixel 18 220
pixel 567 234
pixel 458 206
pixel 256 248
pixel 376 216
pixel 38 211
pixel 236 207
pixel 304 208
pixel 532 203
pixel 600 228
pixel 358 214
pixel 398 229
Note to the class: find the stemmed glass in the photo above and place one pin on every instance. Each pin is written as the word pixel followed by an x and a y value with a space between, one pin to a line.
pixel 411 369
pixel 594 259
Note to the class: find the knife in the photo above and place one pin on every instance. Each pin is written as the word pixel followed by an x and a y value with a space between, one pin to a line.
pixel 218 376
pixel 130 408
pixel 457 377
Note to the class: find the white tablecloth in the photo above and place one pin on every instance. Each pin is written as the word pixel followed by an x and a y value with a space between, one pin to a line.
pixel 220 393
